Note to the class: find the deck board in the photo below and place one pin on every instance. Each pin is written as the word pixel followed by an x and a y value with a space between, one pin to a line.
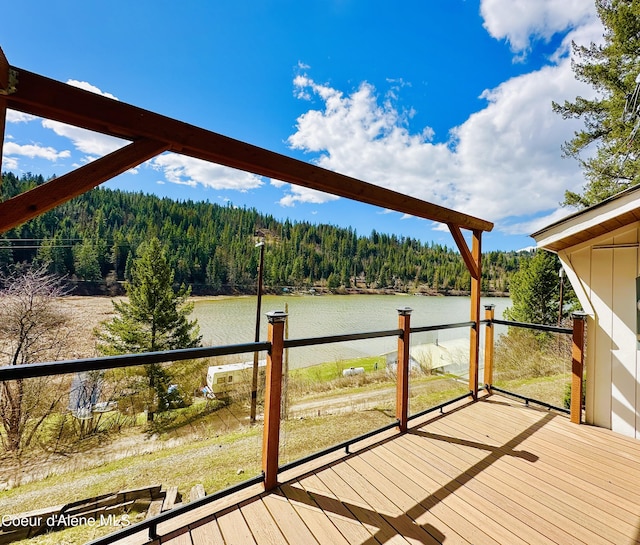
pixel 565 458
pixel 207 534
pixel 496 523
pixel 486 473
pixel 181 539
pixel 234 528
pixel 261 523
pixel 362 511
pixel 543 507
pixel 291 524
pixel 350 527
pixel 591 505
pixel 314 516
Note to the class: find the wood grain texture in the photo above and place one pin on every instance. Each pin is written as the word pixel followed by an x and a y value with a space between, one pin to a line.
pixel 490 472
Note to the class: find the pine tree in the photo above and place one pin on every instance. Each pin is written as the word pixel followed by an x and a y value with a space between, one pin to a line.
pixel 612 119
pixel 535 290
pixel 154 319
pixel 87 262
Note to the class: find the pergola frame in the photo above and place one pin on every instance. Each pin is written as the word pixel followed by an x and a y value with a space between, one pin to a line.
pixel 151 134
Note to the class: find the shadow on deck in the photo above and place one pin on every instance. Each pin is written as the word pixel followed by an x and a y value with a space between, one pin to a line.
pixel 489 472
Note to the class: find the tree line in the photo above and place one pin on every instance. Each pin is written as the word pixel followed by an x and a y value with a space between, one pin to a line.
pixel 95 238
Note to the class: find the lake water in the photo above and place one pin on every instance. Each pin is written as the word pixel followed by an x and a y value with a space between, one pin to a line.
pixel 231 320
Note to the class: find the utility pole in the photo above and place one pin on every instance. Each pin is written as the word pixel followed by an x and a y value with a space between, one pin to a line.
pixel 254 375
pixel 285 368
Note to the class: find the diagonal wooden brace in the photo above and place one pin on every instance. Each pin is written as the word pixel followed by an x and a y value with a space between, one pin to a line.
pixel 469 260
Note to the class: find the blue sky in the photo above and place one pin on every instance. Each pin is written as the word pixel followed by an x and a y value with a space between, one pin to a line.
pixel 447 100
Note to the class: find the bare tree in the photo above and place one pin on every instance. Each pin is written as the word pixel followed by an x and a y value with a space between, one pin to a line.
pixel 33 328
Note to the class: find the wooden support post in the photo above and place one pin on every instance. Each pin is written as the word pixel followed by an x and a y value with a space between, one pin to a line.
pixel 402 369
pixel 474 349
pixel 272 399
pixel 489 314
pixel 577 366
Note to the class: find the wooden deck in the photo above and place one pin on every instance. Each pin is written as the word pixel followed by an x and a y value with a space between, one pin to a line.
pixel 489 472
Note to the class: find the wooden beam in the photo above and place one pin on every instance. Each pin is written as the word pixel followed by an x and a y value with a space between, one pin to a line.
pixel 51 99
pixel 467 256
pixel 38 200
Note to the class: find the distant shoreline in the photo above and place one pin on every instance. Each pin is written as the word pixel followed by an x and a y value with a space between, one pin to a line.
pixel 80 288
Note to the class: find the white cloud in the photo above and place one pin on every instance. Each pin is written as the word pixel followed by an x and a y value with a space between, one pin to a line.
pixel 14 116
pixel 180 169
pixel 298 194
pixel 535 224
pixel 34 150
pixel 522 21
pixel 508 154
pixel 357 136
pixel 89 87
pixel 9 163
pixel 91 143
pixel 504 161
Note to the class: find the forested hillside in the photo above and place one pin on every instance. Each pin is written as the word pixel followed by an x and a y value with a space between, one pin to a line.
pixel 94 238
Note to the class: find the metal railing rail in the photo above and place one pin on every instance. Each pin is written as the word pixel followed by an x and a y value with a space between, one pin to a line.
pixel 423 329
pixel 528 400
pixel 537 327
pixel 33 370
pixel 314 341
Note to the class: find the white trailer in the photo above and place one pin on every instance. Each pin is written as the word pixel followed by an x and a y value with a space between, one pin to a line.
pixel 222 378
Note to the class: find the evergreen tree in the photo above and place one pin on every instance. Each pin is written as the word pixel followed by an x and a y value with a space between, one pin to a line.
pixel 535 290
pixel 213 245
pixel 612 119
pixel 87 262
pixel 155 318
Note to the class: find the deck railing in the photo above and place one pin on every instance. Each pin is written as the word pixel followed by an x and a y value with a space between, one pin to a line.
pixel 275 346
pixel 577 333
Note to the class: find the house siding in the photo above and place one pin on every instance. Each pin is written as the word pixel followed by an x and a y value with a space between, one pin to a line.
pixel 607 282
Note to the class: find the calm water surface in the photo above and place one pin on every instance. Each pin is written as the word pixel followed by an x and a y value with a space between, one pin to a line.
pixel 232 321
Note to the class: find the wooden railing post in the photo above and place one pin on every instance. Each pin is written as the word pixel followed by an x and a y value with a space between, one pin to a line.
pixel 474 334
pixel 489 314
pixel 402 369
pixel 272 399
pixel 577 366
